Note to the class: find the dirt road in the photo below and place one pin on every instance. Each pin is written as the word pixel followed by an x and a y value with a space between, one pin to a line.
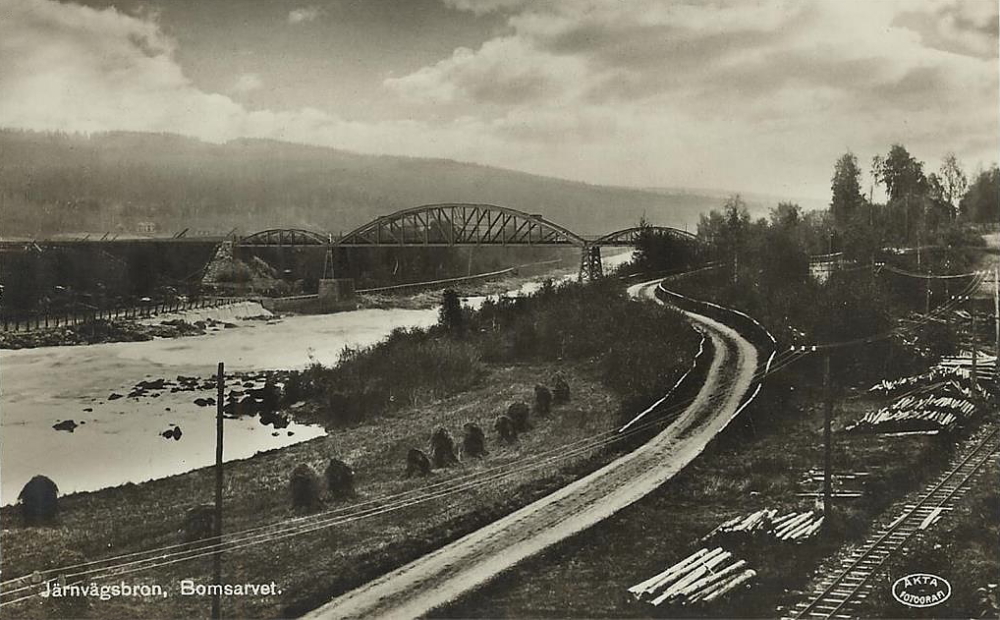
pixel 421 586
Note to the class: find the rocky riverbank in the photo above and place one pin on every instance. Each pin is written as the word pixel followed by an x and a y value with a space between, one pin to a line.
pixel 101 330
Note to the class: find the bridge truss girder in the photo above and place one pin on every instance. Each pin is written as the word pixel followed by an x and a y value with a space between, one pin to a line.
pixel 460 224
pixel 285 237
pixel 630 236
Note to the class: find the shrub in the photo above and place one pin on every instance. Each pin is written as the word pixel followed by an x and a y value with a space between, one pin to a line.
pixel 452 316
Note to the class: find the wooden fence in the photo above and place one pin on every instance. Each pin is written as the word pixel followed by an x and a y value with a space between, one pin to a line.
pixel 45 320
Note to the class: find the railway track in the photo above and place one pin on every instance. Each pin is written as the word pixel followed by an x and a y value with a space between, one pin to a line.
pixel 841 591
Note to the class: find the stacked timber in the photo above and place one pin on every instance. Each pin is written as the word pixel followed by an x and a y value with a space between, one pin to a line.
pixel 914 414
pixel 793 527
pixel 891 386
pixel 962 363
pixel 751 524
pixel 797 527
pixel 702 578
pixel 939 400
pixel 952 371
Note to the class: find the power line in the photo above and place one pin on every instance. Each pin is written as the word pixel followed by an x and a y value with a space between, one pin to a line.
pixel 339 516
pixel 307 524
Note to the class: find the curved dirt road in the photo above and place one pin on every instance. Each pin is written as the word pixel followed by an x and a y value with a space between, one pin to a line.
pixel 438 578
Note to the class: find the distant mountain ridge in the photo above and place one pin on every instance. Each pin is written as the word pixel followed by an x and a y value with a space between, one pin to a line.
pixel 53 183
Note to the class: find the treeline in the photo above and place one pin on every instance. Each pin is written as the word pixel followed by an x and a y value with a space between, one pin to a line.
pixel 921 208
pixel 641 350
pixel 764 263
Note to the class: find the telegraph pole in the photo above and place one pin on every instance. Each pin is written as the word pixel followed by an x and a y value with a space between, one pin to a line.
pixel 927 298
pixel 827 435
pixel 996 324
pixel 217 557
pixel 975 374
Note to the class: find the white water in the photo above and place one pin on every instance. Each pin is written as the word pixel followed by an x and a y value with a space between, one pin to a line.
pixel 120 440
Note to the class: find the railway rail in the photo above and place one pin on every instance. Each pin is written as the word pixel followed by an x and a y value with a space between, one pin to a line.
pixel 840 592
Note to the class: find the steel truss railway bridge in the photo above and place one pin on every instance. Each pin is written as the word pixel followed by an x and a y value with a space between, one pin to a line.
pixel 463 224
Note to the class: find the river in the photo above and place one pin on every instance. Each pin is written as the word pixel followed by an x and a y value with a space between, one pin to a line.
pixel 121 440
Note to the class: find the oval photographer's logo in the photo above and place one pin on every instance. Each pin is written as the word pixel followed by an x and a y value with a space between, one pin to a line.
pixel 921 590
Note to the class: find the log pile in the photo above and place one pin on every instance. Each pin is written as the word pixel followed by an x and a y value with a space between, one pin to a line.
pixel 794 527
pixel 950 372
pixel 938 400
pixel 702 578
pixel 912 413
pixel 962 364
pixel 797 527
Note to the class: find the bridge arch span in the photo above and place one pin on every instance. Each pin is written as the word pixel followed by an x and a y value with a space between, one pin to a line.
pixel 281 237
pixel 449 224
pixel 629 236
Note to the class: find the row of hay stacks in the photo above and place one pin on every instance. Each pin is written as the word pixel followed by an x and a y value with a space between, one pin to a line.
pixel 794 527
pixel 702 578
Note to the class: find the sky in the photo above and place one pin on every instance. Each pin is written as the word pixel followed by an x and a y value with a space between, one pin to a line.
pixel 753 95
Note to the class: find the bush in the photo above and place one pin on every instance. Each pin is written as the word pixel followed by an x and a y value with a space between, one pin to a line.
pixel 452 316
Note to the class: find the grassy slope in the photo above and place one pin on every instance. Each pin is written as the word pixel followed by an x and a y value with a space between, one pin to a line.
pixel 311 568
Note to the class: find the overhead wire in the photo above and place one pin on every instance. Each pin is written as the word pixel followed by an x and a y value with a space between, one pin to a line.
pixel 301 525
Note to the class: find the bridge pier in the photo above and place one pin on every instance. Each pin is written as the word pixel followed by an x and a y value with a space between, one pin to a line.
pixel 591 267
pixel 336 293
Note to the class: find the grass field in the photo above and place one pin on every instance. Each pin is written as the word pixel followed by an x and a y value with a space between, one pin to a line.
pixel 313 567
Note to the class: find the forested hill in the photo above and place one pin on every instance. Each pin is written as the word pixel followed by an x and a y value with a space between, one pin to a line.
pixel 126 182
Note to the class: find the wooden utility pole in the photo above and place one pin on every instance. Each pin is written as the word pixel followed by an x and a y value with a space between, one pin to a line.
pixel 927 298
pixel 217 557
pixel 996 324
pixel 975 374
pixel 827 435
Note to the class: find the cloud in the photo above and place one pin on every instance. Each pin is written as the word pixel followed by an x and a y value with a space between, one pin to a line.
pixel 504 71
pixel 248 82
pixel 481 7
pixel 303 14
pixel 758 96
pixel 963 27
pixel 73 68
pixel 800 76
